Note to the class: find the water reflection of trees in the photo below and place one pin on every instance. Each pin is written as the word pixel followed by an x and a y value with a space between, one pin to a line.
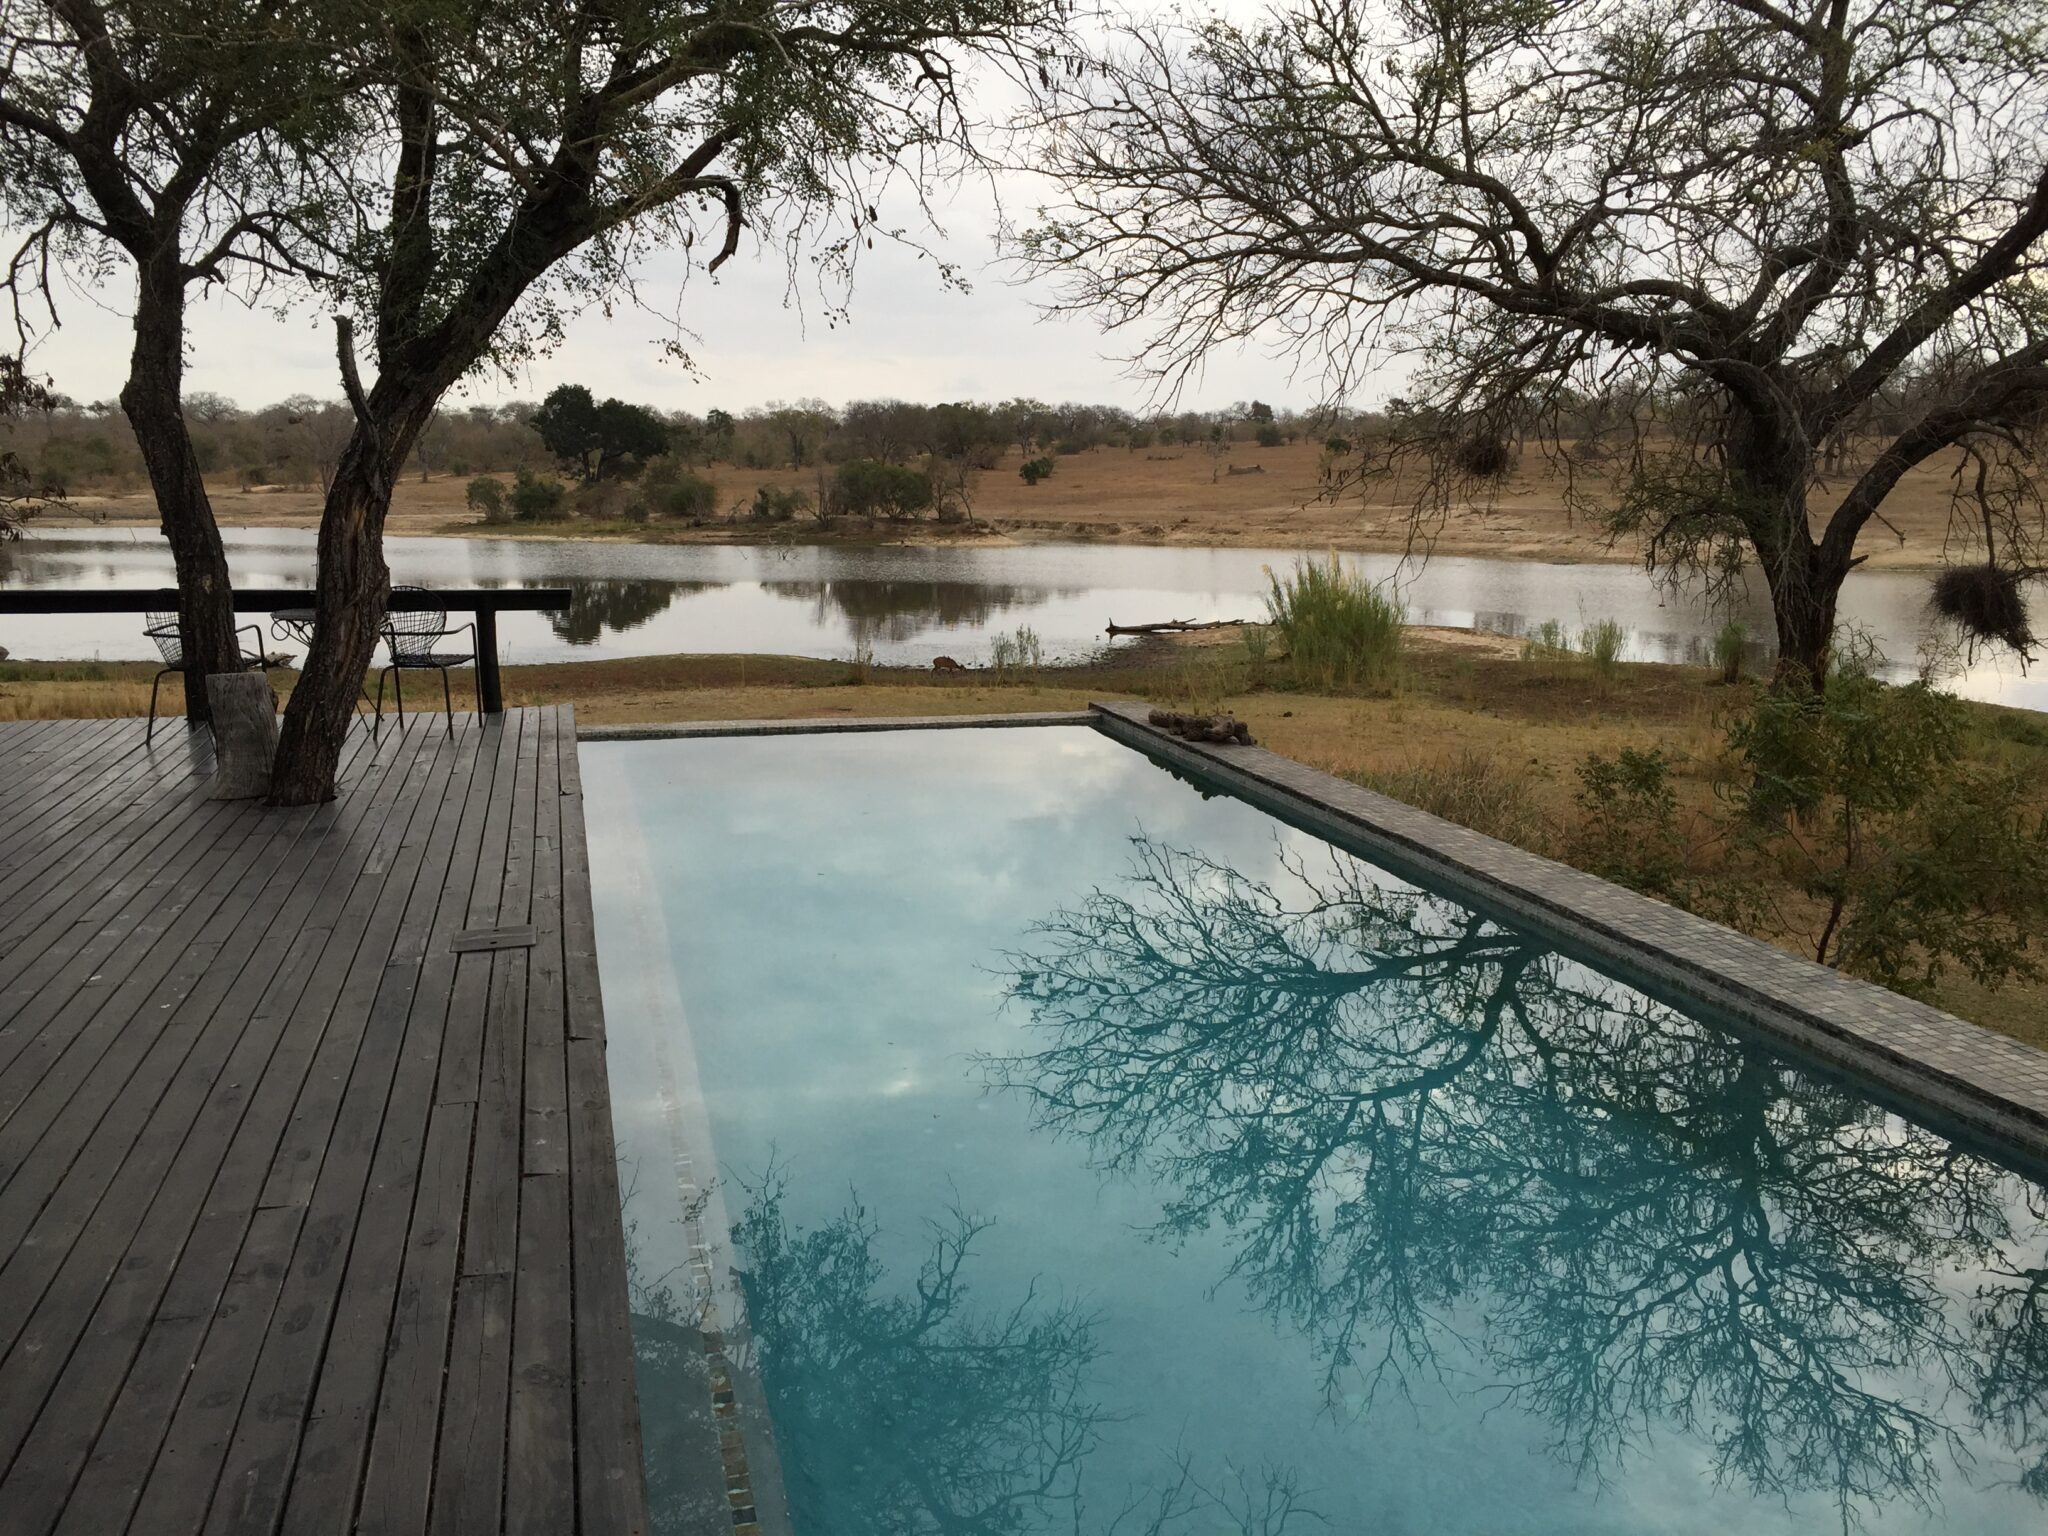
pixel 893 612
pixel 1430 1138
pixel 902 1411
pixel 613 603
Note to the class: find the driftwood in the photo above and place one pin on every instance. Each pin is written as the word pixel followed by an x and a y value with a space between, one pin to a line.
pixel 244 733
pixel 1174 626
pixel 1219 729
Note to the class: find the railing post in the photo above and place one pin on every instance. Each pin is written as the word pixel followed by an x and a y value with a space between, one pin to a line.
pixel 488 686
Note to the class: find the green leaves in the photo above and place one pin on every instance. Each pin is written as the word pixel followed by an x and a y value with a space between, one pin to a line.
pixel 1916 858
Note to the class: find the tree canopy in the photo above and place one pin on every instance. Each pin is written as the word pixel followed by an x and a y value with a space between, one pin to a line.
pixel 189 140
pixel 1752 231
pixel 530 156
pixel 595 438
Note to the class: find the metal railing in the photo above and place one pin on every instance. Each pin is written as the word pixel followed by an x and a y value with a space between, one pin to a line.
pixel 485 604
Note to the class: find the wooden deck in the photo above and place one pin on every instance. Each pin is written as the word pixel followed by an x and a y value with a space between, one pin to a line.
pixel 309 1216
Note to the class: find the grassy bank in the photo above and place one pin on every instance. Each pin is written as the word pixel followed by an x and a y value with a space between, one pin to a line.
pixel 1472 730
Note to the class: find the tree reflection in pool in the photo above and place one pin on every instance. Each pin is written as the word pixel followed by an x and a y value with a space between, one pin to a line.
pixel 1413 1123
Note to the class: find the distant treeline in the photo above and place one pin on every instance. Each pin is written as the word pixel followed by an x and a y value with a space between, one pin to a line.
pixel 295 442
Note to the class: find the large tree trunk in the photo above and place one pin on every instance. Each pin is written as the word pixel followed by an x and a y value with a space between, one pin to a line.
pixel 348 614
pixel 150 400
pixel 1805 589
pixel 1770 464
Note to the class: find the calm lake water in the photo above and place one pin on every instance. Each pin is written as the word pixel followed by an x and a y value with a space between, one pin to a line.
pixel 911 604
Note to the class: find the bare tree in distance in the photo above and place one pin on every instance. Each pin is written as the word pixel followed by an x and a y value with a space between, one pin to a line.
pixel 1741 233
pixel 536 153
pixel 181 138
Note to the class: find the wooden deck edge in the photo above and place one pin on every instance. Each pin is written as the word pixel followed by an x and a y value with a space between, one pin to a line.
pixel 612 1473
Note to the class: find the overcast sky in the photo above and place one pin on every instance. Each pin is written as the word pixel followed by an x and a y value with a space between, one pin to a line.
pixel 908 337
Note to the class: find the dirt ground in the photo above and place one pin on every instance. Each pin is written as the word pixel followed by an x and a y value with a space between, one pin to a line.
pixel 1181 496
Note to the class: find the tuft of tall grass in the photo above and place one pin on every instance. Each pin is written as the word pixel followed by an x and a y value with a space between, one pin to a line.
pixel 1341 630
pixel 1547 642
pixel 1602 642
pixel 1731 644
pixel 1012 655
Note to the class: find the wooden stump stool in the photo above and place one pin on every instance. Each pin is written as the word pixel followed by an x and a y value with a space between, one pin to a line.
pixel 244 733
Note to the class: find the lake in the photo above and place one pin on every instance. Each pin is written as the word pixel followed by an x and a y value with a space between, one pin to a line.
pixel 909 604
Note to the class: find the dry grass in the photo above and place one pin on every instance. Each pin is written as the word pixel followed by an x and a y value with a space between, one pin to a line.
pixel 1155 495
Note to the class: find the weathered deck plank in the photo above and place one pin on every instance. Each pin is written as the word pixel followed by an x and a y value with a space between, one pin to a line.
pixel 308 1222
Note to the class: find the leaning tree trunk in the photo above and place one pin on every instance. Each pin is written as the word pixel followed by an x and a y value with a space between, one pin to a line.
pixel 348 612
pixel 150 400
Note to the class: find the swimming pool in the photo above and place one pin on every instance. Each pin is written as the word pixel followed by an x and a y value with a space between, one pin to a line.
pixel 1018 1137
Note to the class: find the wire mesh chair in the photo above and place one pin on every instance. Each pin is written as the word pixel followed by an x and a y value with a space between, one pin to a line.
pixel 414 636
pixel 163 629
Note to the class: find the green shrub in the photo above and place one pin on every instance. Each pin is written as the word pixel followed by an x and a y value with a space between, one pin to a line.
pixel 1340 629
pixel 688 496
pixel 537 498
pixel 772 504
pixel 1915 858
pixel 661 471
pixel 1270 436
pixel 1629 828
pixel 873 488
pixel 1731 644
pixel 486 495
pixel 1035 470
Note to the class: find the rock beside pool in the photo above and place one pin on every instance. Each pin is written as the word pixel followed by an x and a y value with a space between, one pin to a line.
pixel 1220 730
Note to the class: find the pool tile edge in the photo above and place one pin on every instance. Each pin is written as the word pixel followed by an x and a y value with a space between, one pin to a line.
pixel 1993 1084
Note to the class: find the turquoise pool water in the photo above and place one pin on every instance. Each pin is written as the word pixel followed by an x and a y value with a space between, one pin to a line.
pixel 1018 1139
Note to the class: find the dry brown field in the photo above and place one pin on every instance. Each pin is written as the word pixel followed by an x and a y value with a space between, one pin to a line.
pixel 1182 496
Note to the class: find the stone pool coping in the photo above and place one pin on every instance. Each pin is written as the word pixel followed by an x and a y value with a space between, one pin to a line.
pixel 1991 1084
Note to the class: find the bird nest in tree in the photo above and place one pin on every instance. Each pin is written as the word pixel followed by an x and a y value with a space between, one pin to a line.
pixel 1484 457
pixel 1987 602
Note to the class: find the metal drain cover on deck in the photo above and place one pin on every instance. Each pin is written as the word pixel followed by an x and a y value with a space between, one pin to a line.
pixel 492 938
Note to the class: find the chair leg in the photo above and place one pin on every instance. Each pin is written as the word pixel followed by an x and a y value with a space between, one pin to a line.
pixel 398 691
pixel 377 722
pixel 150 729
pixel 448 701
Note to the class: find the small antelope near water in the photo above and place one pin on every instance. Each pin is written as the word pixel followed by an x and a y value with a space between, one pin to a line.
pixel 946 664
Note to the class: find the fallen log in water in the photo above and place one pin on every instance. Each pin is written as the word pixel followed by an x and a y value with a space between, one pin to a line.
pixel 1175 626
